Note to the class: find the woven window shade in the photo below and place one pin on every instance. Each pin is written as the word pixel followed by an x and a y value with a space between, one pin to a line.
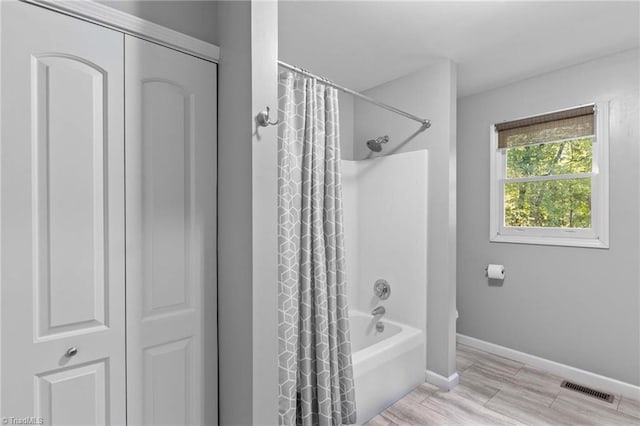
pixel 568 124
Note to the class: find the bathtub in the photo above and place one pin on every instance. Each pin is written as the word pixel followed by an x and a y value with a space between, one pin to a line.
pixel 386 365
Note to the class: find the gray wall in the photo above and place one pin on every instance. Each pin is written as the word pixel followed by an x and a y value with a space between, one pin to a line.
pixel 235 327
pixel 346 107
pixel 576 306
pixel 247 215
pixel 196 18
pixel 429 93
pixel 264 84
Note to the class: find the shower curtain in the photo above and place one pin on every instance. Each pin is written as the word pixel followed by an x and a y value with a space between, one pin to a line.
pixel 315 371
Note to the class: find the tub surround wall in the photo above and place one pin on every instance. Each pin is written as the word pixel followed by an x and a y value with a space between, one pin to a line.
pixel 574 306
pixel 431 93
pixel 386 233
pixel 392 229
pixel 385 211
pixel 351 213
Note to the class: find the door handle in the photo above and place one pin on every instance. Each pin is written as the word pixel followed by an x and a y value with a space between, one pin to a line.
pixel 71 351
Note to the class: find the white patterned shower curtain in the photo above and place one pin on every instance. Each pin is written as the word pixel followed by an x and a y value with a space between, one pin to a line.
pixel 315 372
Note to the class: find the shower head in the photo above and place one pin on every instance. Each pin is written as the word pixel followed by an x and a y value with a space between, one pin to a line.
pixel 375 145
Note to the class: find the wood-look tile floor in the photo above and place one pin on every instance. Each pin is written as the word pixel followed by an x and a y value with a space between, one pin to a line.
pixel 498 391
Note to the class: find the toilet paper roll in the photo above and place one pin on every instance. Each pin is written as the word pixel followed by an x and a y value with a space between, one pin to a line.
pixel 495 272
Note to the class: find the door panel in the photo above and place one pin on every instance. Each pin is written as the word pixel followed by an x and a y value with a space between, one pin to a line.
pixel 167 383
pixel 167 145
pixel 61 218
pixel 68 153
pixel 171 236
pixel 74 396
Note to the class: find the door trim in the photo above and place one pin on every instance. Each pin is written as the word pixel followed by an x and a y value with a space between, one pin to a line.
pixel 109 17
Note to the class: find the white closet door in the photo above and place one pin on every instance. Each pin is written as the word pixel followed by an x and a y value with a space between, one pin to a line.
pixel 61 219
pixel 171 236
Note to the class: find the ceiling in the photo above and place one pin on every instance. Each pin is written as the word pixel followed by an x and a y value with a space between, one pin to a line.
pixel 361 44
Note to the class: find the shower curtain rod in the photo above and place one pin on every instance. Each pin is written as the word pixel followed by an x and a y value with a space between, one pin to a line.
pixel 425 123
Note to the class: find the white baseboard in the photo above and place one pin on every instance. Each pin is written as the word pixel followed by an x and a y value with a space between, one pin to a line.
pixel 570 373
pixel 444 383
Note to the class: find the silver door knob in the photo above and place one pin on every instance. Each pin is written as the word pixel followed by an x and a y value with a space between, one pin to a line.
pixel 71 351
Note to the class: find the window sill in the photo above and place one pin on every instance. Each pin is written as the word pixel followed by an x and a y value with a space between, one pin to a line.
pixel 550 241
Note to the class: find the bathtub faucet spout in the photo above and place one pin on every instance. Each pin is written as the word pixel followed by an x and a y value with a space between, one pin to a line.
pixel 378 311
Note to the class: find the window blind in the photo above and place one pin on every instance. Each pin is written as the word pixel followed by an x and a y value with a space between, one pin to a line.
pixel 555 126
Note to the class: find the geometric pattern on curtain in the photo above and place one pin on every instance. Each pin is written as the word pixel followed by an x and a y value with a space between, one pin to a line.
pixel 316 384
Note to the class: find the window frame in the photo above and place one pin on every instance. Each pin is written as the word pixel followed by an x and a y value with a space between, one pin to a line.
pixel 597 236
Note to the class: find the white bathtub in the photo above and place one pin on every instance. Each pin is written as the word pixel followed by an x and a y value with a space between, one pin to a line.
pixel 386 365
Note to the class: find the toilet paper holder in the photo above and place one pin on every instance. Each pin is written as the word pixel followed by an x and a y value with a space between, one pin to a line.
pixel 486 271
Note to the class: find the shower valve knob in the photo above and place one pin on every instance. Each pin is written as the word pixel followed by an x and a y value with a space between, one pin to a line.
pixel 382 289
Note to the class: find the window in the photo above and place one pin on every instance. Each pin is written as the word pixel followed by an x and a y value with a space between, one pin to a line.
pixel 549 179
